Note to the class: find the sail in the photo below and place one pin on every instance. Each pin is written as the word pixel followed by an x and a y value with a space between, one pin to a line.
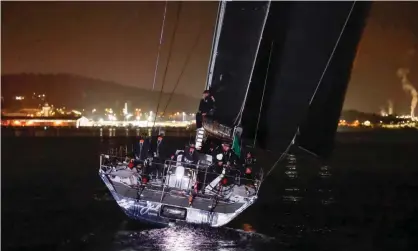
pixel 318 132
pixel 237 38
pixel 305 35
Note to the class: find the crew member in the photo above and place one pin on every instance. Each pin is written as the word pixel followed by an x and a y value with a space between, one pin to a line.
pixel 159 155
pixel 141 153
pixel 249 163
pixel 141 149
pixel 249 170
pixel 210 148
pixel 229 157
pixel 206 108
pixel 190 156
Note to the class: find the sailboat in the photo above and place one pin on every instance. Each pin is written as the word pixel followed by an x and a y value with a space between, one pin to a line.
pixel 278 71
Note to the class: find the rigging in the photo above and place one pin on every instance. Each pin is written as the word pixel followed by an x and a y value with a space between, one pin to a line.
pixel 264 90
pixel 316 89
pixel 159 46
pixel 173 37
pixel 189 56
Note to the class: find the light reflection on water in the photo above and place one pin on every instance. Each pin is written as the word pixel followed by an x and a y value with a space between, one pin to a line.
pixel 185 238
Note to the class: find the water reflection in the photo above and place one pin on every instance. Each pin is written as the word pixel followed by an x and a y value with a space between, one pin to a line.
pixel 184 238
pixel 292 193
pixel 324 172
pixel 325 192
pixel 291 170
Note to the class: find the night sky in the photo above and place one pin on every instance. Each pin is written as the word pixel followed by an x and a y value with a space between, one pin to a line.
pixel 118 41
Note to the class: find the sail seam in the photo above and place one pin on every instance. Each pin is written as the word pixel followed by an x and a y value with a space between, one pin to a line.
pixel 239 116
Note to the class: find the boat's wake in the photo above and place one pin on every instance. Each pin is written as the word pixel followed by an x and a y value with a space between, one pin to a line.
pixel 186 237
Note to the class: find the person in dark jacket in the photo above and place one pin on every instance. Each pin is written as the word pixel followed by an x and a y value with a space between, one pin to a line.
pixel 141 149
pixel 229 158
pixel 248 167
pixel 141 153
pixel 206 108
pixel 210 148
pixel 159 154
pixel 249 172
pixel 190 155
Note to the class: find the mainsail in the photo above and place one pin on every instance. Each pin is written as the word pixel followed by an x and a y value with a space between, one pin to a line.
pixel 239 29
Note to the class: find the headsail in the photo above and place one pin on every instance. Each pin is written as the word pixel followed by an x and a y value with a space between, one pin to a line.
pixel 318 131
pixel 305 42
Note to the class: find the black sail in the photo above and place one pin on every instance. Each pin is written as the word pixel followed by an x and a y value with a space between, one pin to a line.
pixel 304 36
pixel 234 55
pixel 318 132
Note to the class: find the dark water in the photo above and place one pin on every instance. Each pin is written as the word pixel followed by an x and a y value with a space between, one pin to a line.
pixel 366 198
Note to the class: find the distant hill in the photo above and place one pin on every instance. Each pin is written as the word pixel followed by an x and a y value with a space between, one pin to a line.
pixel 82 92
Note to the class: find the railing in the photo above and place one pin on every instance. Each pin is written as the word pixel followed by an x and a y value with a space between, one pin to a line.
pixel 181 178
pixel 217 130
pixel 120 151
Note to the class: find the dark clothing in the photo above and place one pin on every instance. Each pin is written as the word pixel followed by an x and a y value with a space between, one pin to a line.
pixel 160 154
pixel 159 150
pixel 248 163
pixel 249 171
pixel 209 148
pixel 142 150
pixel 191 158
pixel 207 105
pixel 188 158
pixel 199 120
pixel 228 156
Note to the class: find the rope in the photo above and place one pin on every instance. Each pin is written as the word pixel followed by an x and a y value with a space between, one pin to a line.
pixel 316 89
pixel 159 46
pixel 264 90
pixel 196 42
pixel 173 37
